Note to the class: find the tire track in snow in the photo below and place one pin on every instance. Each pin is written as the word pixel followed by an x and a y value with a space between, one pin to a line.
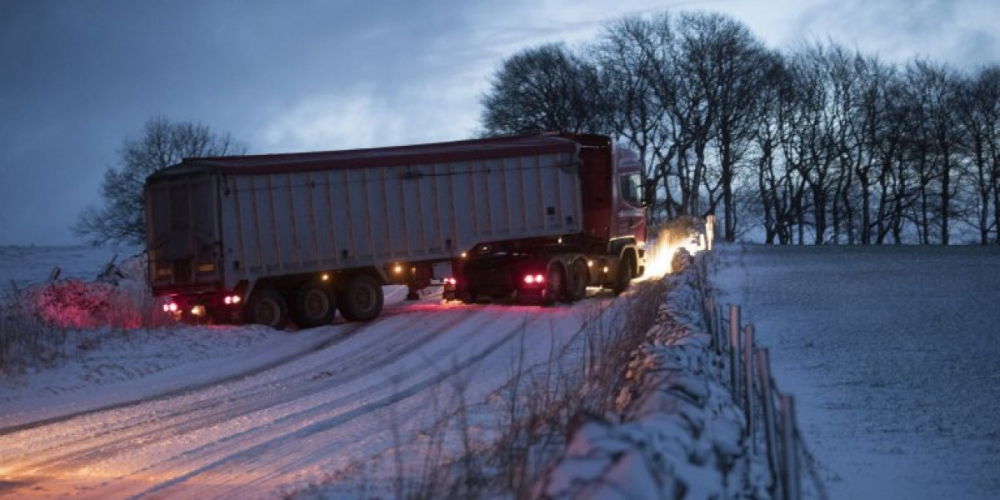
pixel 91 445
pixel 349 330
pixel 277 457
pixel 346 330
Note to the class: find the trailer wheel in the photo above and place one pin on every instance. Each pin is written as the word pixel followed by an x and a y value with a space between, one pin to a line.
pixel 267 307
pixel 626 271
pixel 361 299
pixel 579 277
pixel 314 305
pixel 554 284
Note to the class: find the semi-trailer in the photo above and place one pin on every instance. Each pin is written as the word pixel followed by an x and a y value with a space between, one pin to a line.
pixel 296 237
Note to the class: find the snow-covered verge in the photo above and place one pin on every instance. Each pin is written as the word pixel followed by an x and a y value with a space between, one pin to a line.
pixel 48 310
pixel 679 436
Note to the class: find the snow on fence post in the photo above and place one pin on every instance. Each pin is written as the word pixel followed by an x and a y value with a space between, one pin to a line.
pixel 748 394
pixel 790 456
pixel 767 411
pixel 734 351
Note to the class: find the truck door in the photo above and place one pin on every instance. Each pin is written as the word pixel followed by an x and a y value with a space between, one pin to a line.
pixel 182 232
pixel 629 215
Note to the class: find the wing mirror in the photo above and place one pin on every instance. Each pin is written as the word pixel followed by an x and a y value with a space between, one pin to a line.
pixel 649 193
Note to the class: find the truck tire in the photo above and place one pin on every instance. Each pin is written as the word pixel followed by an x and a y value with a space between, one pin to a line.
pixel 625 274
pixel 267 307
pixel 555 284
pixel 314 305
pixel 577 281
pixel 361 299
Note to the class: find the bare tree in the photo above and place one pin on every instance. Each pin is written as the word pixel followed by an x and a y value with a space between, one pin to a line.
pixel 932 91
pixel 723 59
pixel 778 186
pixel 630 55
pixel 162 143
pixel 895 193
pixel 873 118
pixel 544 88
pixel 691 115
pixel 978 111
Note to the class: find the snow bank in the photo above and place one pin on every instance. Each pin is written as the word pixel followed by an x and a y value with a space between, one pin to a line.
pixel 680 435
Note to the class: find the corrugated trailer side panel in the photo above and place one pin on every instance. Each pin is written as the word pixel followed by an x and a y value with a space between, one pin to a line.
pixel 290 222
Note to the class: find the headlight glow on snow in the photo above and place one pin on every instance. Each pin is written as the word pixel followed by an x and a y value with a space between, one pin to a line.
pixel 660 254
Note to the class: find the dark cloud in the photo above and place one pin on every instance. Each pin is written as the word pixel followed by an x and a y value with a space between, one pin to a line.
pixel 77 77
pixel 958 32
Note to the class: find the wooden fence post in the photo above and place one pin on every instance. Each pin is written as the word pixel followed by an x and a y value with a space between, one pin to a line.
pixel 709 232
pixel 710 321
pixel 734 351
pixel 704 271
pixel 790 450
pixel 718 324
pixel 748 395
pixel 767 411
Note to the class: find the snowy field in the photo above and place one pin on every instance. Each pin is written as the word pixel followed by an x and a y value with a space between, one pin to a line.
pixel 893 354
pixel 24 266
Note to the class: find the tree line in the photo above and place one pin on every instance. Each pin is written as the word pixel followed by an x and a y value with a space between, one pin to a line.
pixel 818 145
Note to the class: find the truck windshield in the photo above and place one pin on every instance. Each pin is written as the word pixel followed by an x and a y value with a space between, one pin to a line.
pixel 631 188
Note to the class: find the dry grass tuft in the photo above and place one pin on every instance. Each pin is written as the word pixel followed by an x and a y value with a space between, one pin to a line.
pixel 38 324
pixel 540 406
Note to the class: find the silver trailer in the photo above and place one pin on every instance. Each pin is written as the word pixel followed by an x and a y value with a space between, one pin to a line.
pixel 274 236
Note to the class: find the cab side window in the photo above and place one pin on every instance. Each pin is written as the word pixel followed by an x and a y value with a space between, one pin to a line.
pixel 630 187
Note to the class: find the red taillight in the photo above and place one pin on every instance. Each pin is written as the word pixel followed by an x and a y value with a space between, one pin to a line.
pixel 450 281
pixel 531 279
pixel 171 307
pixel 231 299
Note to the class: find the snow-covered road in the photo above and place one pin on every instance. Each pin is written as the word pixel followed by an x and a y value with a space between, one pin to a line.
pixel 257 423
pixel 893 354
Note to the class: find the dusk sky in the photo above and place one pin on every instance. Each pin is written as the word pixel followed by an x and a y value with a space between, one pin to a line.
pixel 79 76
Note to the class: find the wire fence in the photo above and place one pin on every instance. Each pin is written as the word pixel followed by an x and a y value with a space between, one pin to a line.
pixel 771 425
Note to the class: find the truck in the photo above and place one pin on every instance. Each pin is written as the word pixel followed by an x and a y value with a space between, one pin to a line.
pixel 294 238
